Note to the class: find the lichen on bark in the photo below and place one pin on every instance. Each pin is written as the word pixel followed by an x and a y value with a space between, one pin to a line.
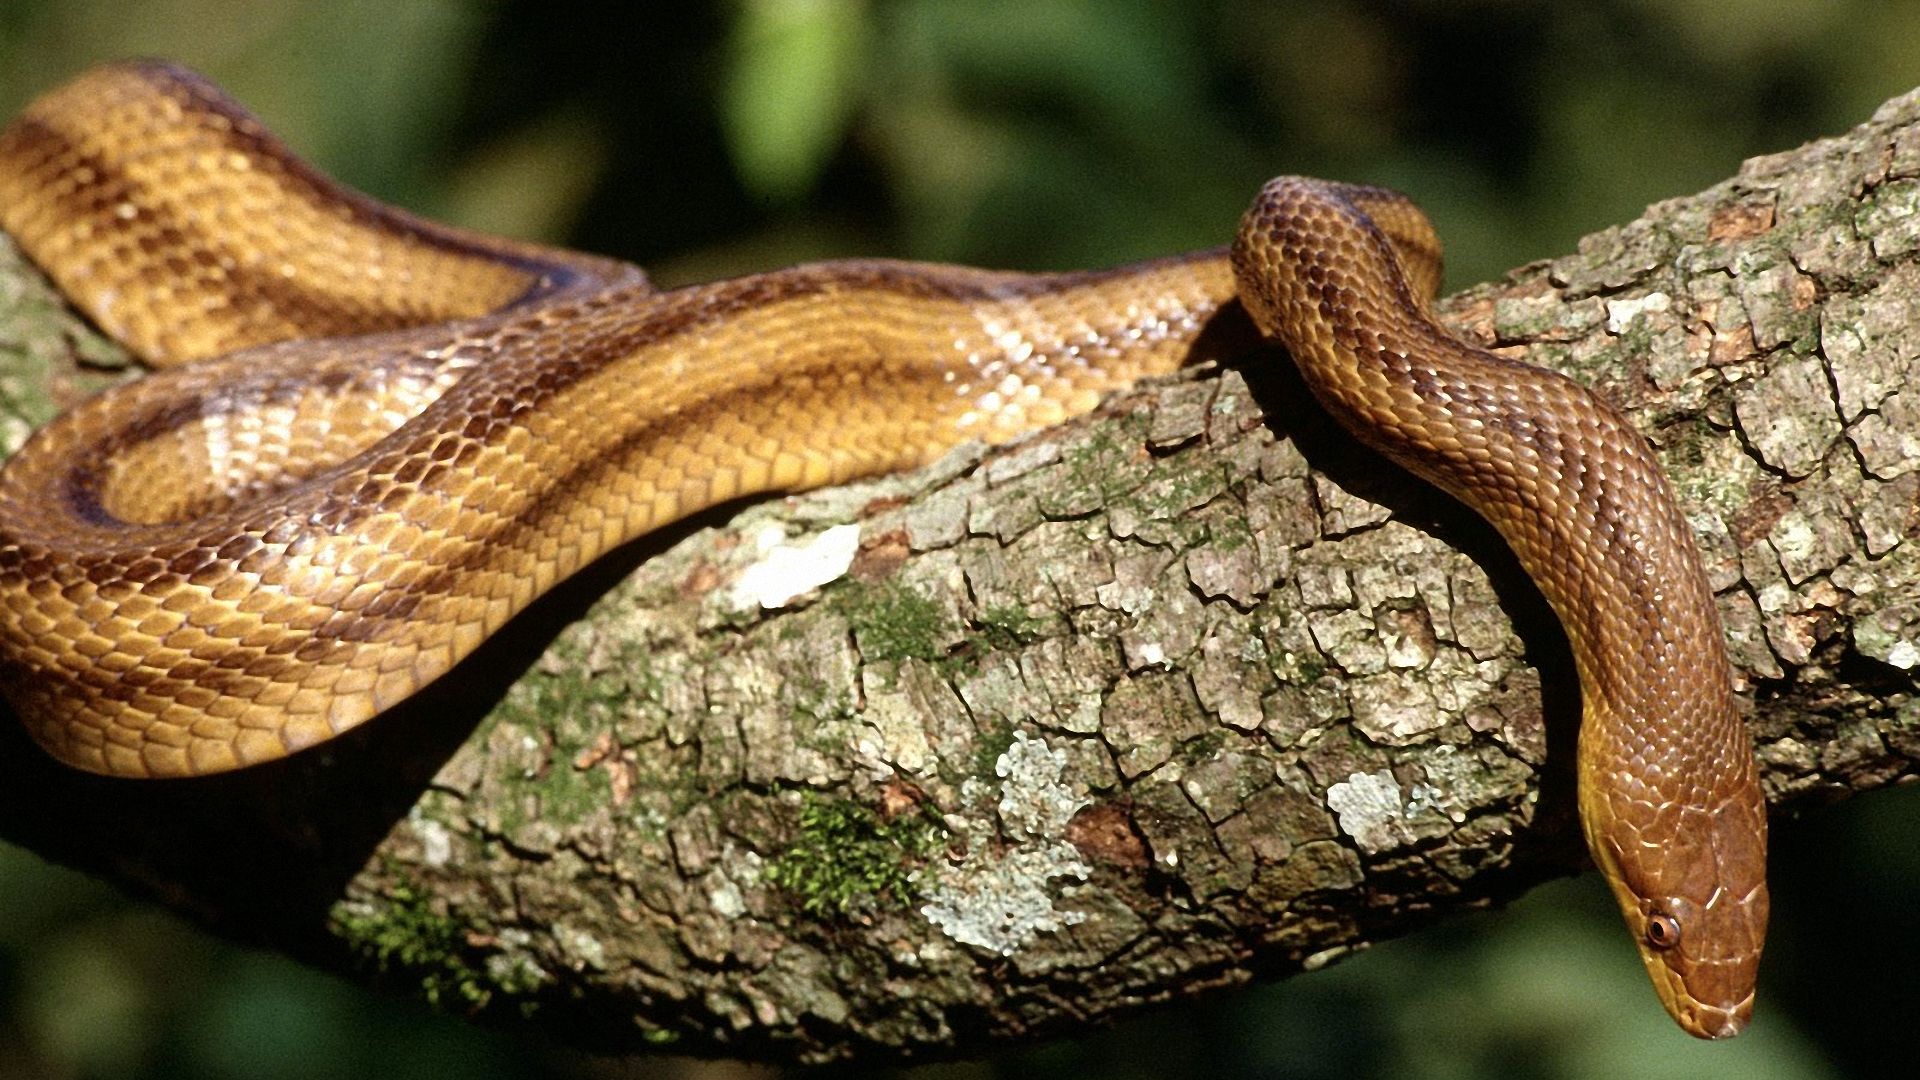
pixel 1188 690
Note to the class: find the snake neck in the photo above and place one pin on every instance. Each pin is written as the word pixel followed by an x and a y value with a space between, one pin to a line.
pixel 1566 479
pixel 1671 806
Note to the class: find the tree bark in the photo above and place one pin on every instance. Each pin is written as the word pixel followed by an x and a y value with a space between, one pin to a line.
pixel 1189 691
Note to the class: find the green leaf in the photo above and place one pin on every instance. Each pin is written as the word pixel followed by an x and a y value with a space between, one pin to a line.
pixel 789 89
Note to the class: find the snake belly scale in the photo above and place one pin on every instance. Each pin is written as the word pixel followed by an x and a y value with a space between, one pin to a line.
pixel 373 439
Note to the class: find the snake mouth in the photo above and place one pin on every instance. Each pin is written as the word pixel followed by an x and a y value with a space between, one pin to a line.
pixel 1682 990
pixel 1712 1022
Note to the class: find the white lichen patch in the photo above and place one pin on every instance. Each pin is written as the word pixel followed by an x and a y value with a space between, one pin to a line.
pixel 726 900
pixel 513 965
pixel 1621 313
pixel 1034 804
pixel 1380 814
pixel 1001 895
pixel 581 947
pixel 1888 636
pixel 436 842
pixel 785 570
pixel 724 892
pixel 1372 810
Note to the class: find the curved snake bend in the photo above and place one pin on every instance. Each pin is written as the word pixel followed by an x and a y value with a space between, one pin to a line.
pixel 405 438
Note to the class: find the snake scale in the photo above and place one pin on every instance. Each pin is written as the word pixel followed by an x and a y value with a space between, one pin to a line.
pixel 394 435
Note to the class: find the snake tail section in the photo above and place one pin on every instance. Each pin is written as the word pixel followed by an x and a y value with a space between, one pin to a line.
pixel 408 432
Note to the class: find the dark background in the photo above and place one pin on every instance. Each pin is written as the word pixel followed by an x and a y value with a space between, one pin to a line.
pixel 707 139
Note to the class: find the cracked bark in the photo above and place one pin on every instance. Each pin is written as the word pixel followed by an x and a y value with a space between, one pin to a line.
pixel 1191 691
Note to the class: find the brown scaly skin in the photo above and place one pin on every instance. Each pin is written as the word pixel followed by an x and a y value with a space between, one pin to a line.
pixel 412 431
pixel 1669 795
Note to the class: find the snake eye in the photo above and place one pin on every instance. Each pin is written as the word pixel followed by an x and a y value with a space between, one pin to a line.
pixel 1663 930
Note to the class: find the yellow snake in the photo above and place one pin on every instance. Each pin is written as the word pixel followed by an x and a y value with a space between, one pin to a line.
pixel 407 432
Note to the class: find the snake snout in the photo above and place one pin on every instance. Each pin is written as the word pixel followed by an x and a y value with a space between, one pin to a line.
pixel 1695 898
pixel 1705 1021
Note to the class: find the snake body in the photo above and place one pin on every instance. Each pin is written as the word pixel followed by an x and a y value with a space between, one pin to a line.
pixel 397 434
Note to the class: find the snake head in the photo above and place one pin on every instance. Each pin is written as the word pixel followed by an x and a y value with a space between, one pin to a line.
pixel 1691 882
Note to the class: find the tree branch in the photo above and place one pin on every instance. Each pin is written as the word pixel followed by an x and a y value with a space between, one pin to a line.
pixel 1186 692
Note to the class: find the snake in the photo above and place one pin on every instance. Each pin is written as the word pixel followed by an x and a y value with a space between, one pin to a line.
pixel 370 439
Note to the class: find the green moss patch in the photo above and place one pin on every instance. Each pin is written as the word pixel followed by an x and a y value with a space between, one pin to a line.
pixel 408 938
pixel 847 860
pixel 891 622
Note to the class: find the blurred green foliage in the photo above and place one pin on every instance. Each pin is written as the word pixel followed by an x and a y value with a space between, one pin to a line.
pixel 704 139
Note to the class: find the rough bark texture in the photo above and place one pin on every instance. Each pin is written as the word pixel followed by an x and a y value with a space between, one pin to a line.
pixel 1190 691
